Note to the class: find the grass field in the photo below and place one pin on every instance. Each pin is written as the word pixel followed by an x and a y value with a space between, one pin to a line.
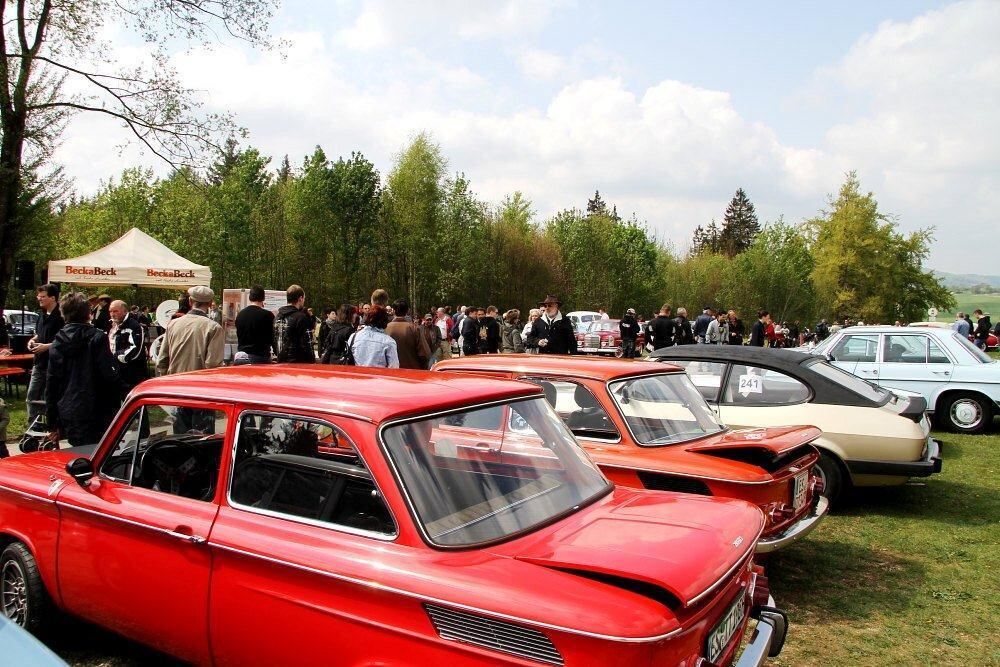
pixel 900 576
pixel 968 302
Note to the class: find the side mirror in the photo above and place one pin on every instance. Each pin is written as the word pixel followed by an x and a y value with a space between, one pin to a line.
pixel 82 470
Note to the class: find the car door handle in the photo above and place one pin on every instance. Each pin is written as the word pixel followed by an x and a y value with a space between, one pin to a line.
pixel 941 372
pixel 184 533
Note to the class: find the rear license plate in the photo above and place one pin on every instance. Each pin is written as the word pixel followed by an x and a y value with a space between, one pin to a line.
pixel 726 629
pixel 799 490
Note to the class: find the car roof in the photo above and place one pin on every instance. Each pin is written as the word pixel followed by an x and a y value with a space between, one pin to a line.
pixel 593 368
pixel 888 328
pixel 789 362
pixel 372 394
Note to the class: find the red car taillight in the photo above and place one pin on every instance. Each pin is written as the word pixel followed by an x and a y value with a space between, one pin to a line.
pixel 761 589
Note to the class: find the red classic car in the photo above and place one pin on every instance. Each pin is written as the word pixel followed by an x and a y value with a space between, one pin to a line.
pixel 604 337
pixel 304 515
pixel 648 427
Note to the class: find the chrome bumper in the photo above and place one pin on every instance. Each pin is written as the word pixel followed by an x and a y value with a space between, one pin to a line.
pixel 798 530
pixel 768 637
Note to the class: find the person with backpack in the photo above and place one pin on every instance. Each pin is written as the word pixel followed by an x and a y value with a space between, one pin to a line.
pixel 339 331
pixel 293 329
pixel 682 328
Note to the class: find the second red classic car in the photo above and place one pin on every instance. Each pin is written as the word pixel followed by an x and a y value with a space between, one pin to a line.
pixel 604 337
pixel 292 515
pixel 647 426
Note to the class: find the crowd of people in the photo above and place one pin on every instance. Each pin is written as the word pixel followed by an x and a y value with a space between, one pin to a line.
pixel 90 352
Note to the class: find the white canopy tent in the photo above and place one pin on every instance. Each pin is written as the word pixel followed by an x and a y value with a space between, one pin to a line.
pixel 134 259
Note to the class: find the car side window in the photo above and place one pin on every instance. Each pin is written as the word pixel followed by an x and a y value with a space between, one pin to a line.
pixel 120 462
pixel 861 348
pixel 171 449
pixel 935 355
pixel 578 407
pixel 905 349
pixel 705 375
pixel 305 469
pixel 485 419
pixel 751 385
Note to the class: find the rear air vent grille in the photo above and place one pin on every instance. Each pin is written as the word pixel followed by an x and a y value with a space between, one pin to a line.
pixel 493 634
pixel 660 482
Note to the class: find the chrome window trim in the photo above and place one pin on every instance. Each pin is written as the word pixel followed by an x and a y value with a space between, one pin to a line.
pixel 559 378
pixel 611 397
pixel 368 583
pixel 384 537
pixel 25 494
pixel 475 406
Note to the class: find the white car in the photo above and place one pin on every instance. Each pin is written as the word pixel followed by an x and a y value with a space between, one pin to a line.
pixel 14 324
pixel 578 317
pixel 960 382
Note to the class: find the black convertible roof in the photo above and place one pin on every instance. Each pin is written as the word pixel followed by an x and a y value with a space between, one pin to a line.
pixel 794 364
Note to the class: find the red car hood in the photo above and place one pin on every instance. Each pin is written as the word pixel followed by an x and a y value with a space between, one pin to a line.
pixel 775 440
pixel 683 544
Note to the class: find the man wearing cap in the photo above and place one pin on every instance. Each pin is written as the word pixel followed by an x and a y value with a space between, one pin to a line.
pixel 193 341
pixel 629 328
pixel 552 333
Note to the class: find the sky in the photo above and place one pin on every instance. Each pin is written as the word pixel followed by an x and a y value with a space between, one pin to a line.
pixel 665 107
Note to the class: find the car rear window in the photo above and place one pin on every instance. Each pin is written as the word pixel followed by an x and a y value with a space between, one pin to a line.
pixel 861 387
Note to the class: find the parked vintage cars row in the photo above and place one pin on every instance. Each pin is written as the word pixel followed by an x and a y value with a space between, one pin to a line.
pixel 870 436
pixel 250 515
pixel 647 426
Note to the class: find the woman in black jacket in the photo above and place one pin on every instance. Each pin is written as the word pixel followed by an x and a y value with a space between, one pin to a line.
pixel 338 332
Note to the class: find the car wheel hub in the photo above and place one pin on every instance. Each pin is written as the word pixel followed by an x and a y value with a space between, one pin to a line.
pixel 966 413
pixel 14 593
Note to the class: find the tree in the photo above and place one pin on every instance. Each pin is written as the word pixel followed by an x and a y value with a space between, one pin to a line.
pixel 706 239
pixel 774 273
pixel 739 225
pixel 864 268
pixel 414 197
pixel 55 40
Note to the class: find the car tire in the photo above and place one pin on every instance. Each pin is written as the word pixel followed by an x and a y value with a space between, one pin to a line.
pixel 24 600
pixel 829 470
pixel 965 412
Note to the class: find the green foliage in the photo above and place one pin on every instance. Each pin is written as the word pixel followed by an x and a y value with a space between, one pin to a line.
pixel 333 227
pixel 864 268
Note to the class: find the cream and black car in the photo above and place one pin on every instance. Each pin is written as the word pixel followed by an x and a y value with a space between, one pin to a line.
pixel 871 436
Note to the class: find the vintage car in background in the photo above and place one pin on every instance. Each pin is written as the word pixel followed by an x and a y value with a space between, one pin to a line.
pixel 581 318
pixel 871 437
pixel 604 337
pixel 991 341
pixel 647 426
pixel 960 382
pixel 307 515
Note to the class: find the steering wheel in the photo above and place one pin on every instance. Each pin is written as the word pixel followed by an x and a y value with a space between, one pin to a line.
pixel 175 467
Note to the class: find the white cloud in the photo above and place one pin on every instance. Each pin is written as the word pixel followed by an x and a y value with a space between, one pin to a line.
pixel 926 141
pixel 540 64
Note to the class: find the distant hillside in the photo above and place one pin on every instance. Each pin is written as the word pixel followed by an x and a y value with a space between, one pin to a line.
pixel 959 281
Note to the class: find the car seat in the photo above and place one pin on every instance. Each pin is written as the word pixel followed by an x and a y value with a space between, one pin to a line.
pixel 591 416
